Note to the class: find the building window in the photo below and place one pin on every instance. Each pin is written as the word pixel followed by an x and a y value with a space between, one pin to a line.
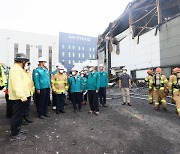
pixel 83 55
pixel 50 58
pixel 93 56
pixel 90 56
pixel 73 47
pixel 69 62
pixel 69 46
pixel 89 49
pixel 79 48
pixel 63 54
pixel 93 49
pixel 83 48
pixel 15 49
pixel 73 62
pixel 73 54
pixel 79 55
pixel 63 46
pixel 39 51
pixel 69 54
pixel 28 50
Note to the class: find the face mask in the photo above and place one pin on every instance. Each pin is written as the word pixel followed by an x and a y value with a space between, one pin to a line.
pixel 82 75
pixel 26 67
pixel 124 72
pixel 73 73
pixel 90 69
pixel 45 65
pixel 61 71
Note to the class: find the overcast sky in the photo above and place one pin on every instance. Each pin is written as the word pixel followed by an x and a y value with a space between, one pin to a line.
pixel 85 17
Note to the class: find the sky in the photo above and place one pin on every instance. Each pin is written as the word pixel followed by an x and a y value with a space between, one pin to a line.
pixel 84 17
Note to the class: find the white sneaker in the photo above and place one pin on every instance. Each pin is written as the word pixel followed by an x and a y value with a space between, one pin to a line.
pixel 97 113
pixel 54 107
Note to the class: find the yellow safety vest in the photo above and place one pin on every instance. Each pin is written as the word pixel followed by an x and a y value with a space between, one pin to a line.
pixel 59 83
pixel 3 79
pixel 29 84
pixel 17 84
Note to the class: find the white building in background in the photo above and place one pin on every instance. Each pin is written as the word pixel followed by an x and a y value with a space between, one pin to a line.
pixel 34 45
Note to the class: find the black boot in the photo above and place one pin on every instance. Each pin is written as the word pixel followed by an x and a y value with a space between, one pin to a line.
pixel 28 119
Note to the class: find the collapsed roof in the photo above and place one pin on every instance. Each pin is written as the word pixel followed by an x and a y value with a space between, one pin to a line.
pixel 142 16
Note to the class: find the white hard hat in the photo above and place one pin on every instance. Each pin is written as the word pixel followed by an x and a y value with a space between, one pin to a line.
pixel 101 65
pixel 92 64
pixel 42 59
pixel 65 69
pixel 74 69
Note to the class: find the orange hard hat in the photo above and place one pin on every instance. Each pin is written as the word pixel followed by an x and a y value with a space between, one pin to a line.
pixel 158 70
pixel 175 70
pixel 149 71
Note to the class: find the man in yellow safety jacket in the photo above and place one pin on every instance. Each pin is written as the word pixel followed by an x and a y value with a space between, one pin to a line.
pixel 174 87
pixel 149 79
pixel 30 91
pixel 18 95
pixel 3 79
pixel 160 86
pixel 59 87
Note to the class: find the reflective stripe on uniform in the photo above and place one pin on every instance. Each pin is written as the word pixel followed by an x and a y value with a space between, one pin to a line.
pixel 178 109
pixel 163 101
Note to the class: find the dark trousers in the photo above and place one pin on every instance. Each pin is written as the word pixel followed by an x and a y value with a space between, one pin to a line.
pixel 9 106
pixel 18 108
pixel 76 99
pixel 27 107
pixel 59 101
pixel 93 100
pixel 53 99
pixel 102 95
pixel 43 100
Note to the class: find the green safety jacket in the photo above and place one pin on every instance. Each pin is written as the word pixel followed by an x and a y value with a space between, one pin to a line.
pixel 93 81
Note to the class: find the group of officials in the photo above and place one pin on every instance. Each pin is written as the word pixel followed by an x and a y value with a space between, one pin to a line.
pixel 159 87
pixel 22 85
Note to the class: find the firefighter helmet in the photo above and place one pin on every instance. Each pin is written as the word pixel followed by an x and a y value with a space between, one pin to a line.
pixel 21 57
pixel 158 70
pixel 149 71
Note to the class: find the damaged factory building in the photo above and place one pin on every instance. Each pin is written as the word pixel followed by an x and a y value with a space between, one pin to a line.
pixel 146 35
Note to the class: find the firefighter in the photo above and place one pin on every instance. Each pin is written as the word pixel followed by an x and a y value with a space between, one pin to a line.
pixel 3 79
pixel 160 86
pixel 84 89
pixel 17 94
pixel 59 88
pixel 149 79
pixel 171 78
pixel 103 85
pixel 42 86
pixel 53 95
pixel 93 89
pixel 174 87
pixel 75 83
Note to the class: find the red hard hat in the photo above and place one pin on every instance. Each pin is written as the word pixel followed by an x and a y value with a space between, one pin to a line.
pixel 158 70
pixel 149 71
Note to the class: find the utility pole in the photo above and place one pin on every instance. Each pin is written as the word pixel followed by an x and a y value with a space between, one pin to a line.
pixel 159 11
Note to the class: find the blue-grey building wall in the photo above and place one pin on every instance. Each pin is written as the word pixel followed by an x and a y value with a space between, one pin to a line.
pixel 75 48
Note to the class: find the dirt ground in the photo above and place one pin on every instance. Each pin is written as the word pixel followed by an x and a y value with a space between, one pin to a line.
pixel 118 129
